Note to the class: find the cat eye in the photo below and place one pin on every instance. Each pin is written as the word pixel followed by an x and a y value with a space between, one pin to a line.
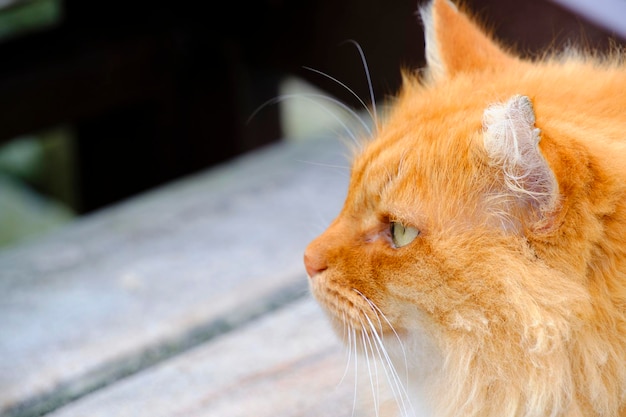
pixel 402 235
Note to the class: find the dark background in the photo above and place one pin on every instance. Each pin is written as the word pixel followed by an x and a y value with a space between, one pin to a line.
pixel 157 90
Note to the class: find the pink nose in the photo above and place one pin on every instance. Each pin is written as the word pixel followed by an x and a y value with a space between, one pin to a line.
pixel 314 264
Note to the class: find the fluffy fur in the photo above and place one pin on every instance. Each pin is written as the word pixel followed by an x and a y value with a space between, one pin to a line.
pixel 511 301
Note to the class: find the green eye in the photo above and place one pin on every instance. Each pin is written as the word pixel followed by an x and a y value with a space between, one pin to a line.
pixel 402 235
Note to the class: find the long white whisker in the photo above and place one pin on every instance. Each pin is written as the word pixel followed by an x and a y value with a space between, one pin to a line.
pixel 380 313
pixel 367 359
pixel 369 80
pixel 321 164
pixel 356 370
pixel 310 97
pixel 340 169
pixel 347 327
pixel 399 391
pixel 351 91
pixel 365 334
pixel 404 357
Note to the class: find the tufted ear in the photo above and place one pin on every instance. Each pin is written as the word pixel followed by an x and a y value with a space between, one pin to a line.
pixel 454 43
pixel 512 143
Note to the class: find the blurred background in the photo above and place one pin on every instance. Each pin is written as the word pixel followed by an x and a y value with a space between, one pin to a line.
pixel 102 100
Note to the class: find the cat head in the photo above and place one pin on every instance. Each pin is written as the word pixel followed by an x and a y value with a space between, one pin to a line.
pixel 461 228
pixel 453 183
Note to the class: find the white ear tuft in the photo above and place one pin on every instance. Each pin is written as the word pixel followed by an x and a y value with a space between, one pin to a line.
pixel 512 143
pixel 434 61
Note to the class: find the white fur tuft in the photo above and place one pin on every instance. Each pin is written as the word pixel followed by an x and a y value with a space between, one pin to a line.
pixel 434 62
pixel 512 142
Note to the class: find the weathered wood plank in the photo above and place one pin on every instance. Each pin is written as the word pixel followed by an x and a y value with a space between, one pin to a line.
pixel 133 284
pixel 285 364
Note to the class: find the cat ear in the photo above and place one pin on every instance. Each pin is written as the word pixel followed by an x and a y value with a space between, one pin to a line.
pixel 512 144
pixel 456 44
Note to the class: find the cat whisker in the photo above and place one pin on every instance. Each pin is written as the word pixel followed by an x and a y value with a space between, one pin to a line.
pixel 399 389
pixel 342 168
pixel 351 91
pixel 367 341
pixel 356 370
pixel 348 335
pixel 379 314
pixel 311 97
pixel 369 80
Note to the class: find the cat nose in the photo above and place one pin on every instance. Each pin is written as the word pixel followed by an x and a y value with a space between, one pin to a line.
pixel 314 264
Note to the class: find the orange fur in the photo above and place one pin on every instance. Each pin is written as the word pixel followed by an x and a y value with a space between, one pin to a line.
pixel 506 305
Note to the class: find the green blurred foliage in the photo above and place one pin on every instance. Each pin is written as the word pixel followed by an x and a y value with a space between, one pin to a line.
pixel 18 17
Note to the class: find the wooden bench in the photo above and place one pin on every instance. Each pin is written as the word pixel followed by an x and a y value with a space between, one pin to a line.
pixel 190 300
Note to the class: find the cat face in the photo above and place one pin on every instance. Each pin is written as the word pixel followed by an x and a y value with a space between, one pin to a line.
pixel 483 229
pixel 428 225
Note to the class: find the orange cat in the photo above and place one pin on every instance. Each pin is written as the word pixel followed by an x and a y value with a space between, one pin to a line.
pixel 482 245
